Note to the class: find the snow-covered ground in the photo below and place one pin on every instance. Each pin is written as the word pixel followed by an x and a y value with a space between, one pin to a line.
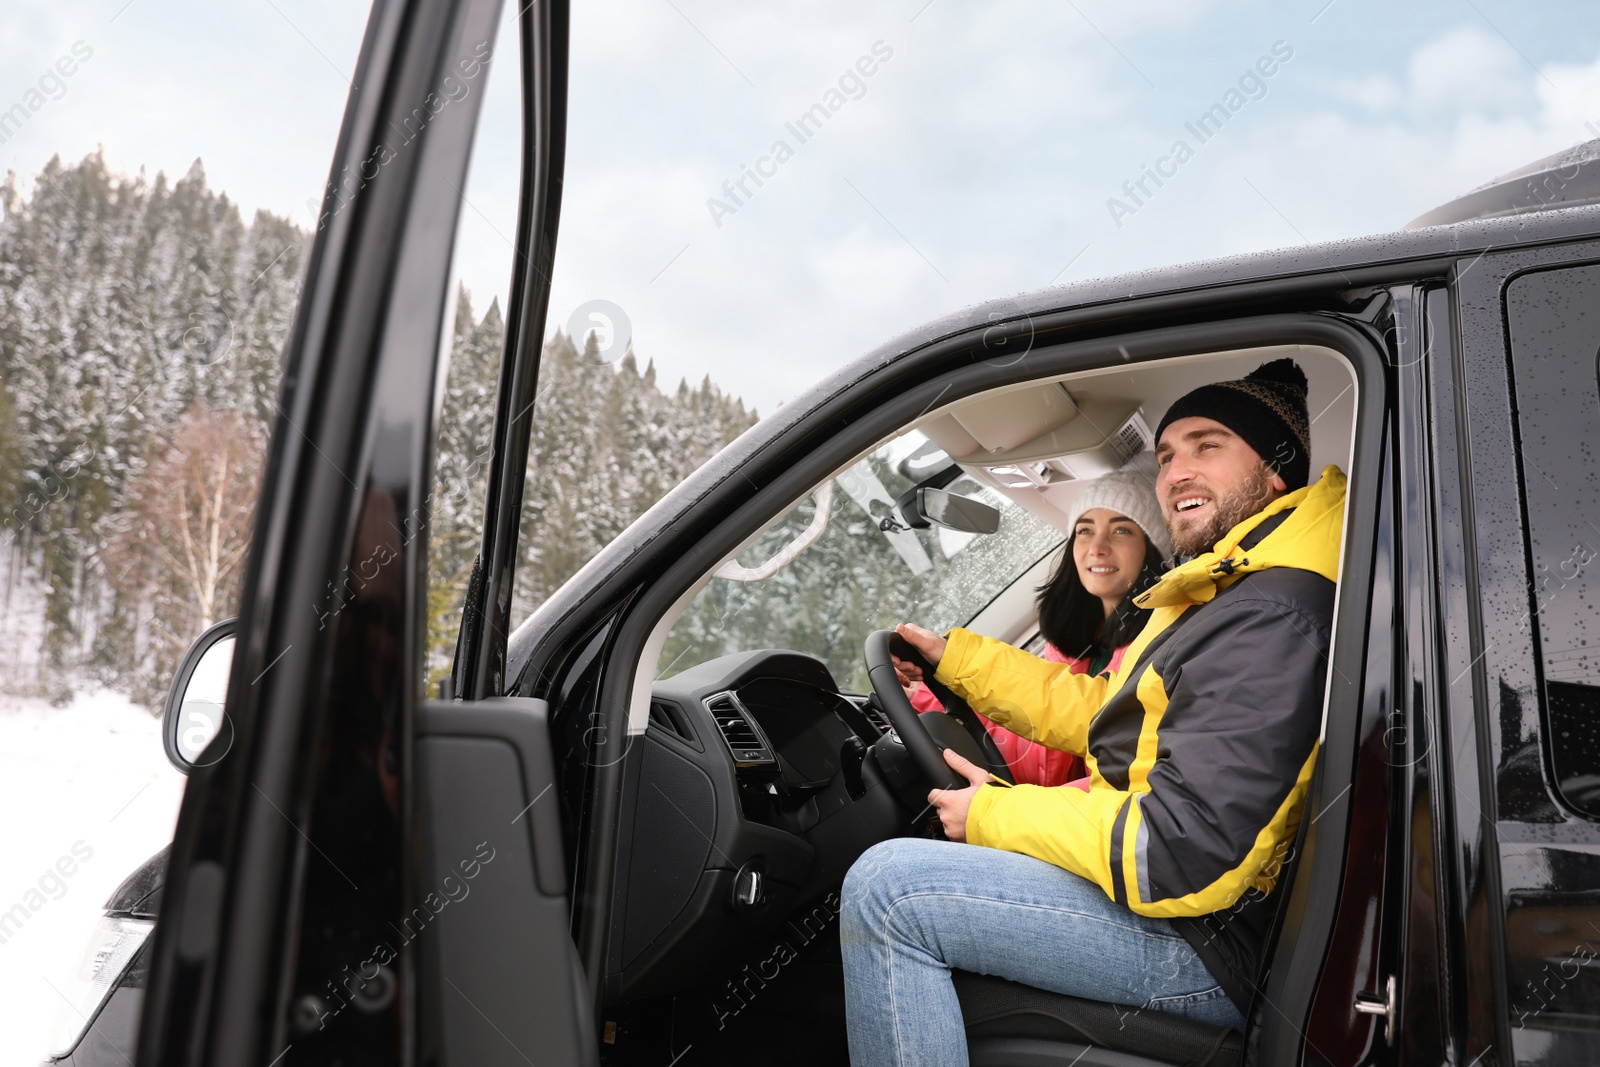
pixel 92 772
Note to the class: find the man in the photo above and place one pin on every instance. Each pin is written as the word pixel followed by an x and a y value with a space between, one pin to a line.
pixel 1151 889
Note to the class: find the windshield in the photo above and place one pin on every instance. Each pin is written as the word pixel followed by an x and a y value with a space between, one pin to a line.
pixel 865 572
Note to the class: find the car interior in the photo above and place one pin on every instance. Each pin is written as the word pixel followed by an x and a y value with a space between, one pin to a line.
pixel 760 764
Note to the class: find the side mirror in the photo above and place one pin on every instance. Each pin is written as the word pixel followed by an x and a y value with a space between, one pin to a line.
pixel 940 507
pixel 195 729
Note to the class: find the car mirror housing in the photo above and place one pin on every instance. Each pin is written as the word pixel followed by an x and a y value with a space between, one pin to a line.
pixel 940 507
pixel 195 730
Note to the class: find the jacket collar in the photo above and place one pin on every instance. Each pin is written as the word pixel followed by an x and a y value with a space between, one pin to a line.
pixel 1307 537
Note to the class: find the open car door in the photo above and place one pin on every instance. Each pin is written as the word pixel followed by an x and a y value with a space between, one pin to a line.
pixel 329 869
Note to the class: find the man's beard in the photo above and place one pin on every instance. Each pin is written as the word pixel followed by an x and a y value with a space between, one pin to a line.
pixel 1226 513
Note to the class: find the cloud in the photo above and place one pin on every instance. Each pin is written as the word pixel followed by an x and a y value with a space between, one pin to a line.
pixel 1469 68
pixel 1373 175
pixel 987 146
pixel 1373 92
pixel 248 90
pixel 1569 95
pixel 997 174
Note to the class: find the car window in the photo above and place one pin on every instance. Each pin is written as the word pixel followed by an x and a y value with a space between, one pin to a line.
pixel 868 570
pixel 1555 333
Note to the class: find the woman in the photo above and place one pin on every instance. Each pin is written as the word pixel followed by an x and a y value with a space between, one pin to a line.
pixel 1117 549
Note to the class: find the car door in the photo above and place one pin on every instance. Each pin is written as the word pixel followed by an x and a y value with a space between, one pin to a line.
pixel 1522 676
pixel 308 910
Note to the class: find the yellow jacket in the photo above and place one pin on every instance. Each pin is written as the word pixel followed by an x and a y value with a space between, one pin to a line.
pixel 1201 745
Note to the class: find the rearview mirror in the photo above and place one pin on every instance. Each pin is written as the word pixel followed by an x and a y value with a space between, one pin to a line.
pixel 194 725
pixel 940 507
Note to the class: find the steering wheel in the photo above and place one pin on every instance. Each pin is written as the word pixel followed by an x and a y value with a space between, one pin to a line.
pixel 927 735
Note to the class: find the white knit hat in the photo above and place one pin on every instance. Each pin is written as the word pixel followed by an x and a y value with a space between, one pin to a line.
pixel 1130 491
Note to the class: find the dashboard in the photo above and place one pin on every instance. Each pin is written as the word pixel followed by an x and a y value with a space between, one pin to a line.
pixel 746 800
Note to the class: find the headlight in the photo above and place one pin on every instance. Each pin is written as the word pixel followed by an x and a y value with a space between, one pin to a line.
pixel 114 944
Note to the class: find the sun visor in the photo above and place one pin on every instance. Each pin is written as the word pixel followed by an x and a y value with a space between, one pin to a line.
pixel 1041 435
pixel 1001 423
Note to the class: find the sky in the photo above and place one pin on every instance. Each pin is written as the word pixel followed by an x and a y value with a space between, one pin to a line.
pixel 956 152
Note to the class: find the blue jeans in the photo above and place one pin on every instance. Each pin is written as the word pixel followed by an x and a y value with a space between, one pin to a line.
pixel 914 909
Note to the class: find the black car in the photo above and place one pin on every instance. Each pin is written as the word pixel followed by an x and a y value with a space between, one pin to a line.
pixel 598 842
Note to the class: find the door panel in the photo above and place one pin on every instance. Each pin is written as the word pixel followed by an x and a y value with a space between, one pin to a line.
pixel 498 974
pixel 291 864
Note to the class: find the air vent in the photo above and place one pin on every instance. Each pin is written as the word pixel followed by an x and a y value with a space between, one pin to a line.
pixel 667 717
pixel 743 741
pixel 1131 438
pixel 875 716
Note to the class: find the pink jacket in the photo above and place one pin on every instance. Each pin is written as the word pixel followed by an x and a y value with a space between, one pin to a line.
pixel 1031 763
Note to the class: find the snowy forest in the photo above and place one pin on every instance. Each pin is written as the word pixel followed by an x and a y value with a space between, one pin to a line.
pixel 142 325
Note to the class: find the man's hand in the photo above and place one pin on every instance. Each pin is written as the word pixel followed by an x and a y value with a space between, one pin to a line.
pixel 930 644
pixel 952 804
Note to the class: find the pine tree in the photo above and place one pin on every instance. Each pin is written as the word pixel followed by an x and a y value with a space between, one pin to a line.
pixel 122 302
pixel 126 302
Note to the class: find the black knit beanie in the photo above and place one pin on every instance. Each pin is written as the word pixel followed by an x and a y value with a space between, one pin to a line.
pixel 1266 408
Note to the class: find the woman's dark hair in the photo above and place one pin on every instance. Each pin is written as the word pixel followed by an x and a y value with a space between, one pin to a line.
pixel 1070 617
